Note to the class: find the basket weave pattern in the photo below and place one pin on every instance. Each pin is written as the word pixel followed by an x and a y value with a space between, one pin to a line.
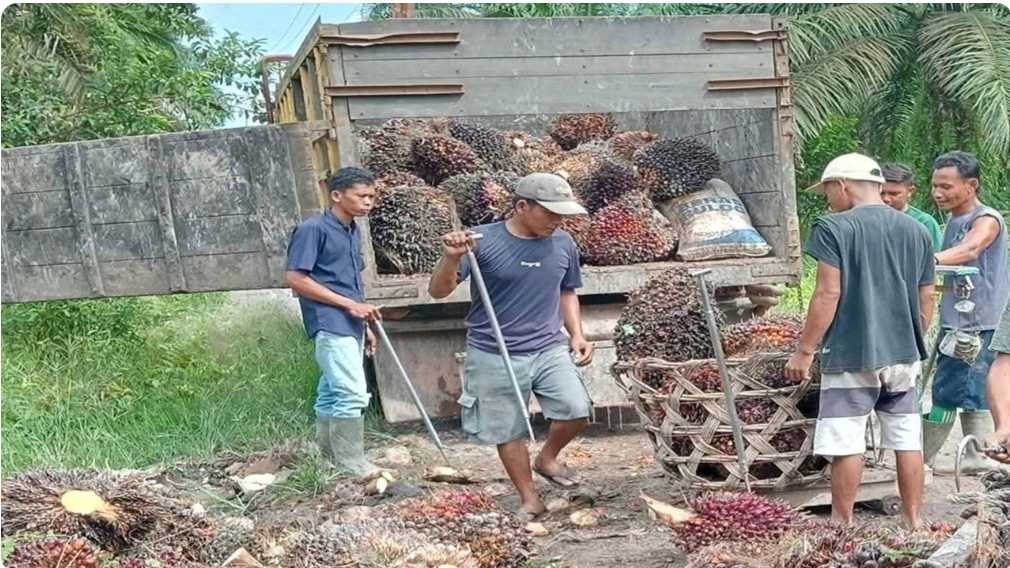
pixel 700 467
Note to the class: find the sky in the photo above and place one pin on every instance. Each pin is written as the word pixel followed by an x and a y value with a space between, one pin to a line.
pixel 283 26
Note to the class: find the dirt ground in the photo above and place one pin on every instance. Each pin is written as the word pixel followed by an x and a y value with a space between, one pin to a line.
pixel 617 466
pixel 616 462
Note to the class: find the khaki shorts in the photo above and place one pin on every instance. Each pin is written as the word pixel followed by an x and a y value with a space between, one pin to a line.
pixel 492 415
pixel 848 398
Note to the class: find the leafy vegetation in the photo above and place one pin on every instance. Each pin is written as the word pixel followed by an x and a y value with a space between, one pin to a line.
pixel 85 71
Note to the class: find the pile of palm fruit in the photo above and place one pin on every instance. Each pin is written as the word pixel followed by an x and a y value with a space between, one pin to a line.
pixel 436 175
pixel 101 519
pixel 665 319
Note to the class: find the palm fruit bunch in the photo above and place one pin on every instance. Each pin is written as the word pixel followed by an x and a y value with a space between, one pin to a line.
pixel 572 129
pixel 676 166
pixel 625 144
pixel 481 197
pixel 607 183
pixel 490 144
pixel 820 544
pixel 734 517
pixel 436 158
pixel 472 519
pixel 386 148
pixel 393 179
pixel 664 319
pixel 113 511
pixel 53 553
pixel 382 151
pixel 533 155
pixel 578 166
pixel 628 232
pixel 407 224
pixel 580 228
pixel 769 333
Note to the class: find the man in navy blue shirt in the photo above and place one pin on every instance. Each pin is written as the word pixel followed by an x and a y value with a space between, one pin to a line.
pixel 532 271
pixel 324 269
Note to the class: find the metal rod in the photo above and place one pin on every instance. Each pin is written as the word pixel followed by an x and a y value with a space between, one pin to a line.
pixel 410 387
pixel 727 388
pixel 478 278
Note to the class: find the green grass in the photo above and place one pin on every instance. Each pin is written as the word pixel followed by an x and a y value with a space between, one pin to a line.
pixel 132 382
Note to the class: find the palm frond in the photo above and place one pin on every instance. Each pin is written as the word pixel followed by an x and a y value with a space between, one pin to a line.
pixel 966 57
pixel 384 11
pixel 839 82
pixel 822 32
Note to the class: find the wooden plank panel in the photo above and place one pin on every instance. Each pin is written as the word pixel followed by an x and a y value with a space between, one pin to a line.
pixel 42 246
pixel 129 241
pixel 76 187
pixel 558 37
pixel 218 235
pixel 116 162
pixel 33 169
pixel 209 197
pixel 246 271
pixel 9 288
pixel 121 204
pixel 202 158
pixel 56 282
pixel 753 175
pixel 272 182
pixel 41 210
pixel 131 277
pixel 734 134
pixel 161 192
pixel 550 95
pixel 358 72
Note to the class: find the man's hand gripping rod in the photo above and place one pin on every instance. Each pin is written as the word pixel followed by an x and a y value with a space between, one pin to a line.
pixel 410 387
pixel 478 278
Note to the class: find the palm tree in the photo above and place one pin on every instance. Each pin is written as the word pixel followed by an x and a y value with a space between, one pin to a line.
pixel 903 69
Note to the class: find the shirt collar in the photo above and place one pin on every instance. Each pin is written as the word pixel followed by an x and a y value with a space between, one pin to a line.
pixel 352 226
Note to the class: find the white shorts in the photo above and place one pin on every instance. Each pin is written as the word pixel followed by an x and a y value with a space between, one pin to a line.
pixel 848 398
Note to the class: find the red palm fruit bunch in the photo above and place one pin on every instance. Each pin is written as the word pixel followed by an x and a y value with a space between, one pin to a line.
pixel 436 158
pixel 627 232
pixel 472 519
pixel 571 129
pixel 734 517
pixel 775 333
pixel 625 144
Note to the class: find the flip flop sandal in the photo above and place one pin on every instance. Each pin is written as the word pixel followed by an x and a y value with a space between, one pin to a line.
pixel 524 516
pixel 554 479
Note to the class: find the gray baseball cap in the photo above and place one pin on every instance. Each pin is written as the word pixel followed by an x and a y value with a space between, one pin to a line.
pixel 550 191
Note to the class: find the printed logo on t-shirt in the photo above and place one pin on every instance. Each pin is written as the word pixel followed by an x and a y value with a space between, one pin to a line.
pixel 529 264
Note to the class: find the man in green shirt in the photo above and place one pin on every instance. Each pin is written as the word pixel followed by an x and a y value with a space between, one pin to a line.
pixel 897 191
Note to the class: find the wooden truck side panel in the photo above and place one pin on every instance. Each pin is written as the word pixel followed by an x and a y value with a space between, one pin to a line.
pixel 159 214
pixel 722 80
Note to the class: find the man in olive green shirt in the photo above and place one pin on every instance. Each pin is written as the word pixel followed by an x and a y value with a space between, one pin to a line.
pixel 897 191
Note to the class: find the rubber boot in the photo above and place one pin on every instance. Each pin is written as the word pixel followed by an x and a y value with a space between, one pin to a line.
pixel 323 438
pixel 347 439
pixel 934 434
pixel 978 424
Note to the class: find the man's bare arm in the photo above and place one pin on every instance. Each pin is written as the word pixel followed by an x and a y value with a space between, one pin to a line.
pixel 823 305
pixel 982 233
pixel 571 312
pixel 305 286
pixel 444 278
pixel 927 305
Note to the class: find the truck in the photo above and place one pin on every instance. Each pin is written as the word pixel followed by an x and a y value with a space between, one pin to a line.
pixel 213 210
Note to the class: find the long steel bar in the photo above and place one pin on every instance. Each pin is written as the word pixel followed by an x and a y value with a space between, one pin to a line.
pixel 410 386
pixel 727 388
pixel 478 278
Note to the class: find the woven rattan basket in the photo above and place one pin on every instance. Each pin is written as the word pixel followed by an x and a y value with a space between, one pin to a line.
pixel 693 455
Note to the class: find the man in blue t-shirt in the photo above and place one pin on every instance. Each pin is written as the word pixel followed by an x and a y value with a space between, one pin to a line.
pixel 531 269
pixel 324 269
pixel 872 303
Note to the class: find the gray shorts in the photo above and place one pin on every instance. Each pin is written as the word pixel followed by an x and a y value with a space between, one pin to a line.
pixel 491 413
pixel 1001 339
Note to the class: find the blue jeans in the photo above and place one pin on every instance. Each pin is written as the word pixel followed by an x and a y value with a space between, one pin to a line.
pixel 343 390
pixel 956 384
